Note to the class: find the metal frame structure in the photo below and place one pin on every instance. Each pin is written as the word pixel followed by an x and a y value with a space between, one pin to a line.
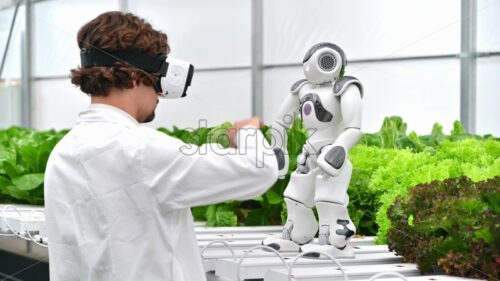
pixel 468 59
pixel 9 37
pixel 468 64
pixel 257 57
pixel 26 67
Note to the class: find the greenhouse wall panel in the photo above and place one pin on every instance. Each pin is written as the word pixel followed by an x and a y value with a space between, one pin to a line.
pixel 422 92
pixel 56 24
pixel 10 101
pixel 56 104
pixel 488 96
pixel 488 25
pixel 215 34
pixel 363 28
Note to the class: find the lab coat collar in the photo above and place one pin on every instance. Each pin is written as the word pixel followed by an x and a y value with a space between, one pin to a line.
pixel 106 113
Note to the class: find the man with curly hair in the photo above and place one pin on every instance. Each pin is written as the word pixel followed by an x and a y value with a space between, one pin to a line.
pixel 118 194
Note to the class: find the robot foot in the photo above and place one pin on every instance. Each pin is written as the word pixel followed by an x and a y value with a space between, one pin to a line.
pixel 280 244
pixel 347 252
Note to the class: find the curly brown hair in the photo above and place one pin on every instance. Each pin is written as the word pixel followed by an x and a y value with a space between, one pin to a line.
pixel 116 31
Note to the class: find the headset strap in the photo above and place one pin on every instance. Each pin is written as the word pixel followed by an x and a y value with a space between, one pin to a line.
pixel 105 58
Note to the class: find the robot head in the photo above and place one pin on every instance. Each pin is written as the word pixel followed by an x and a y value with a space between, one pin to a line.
pixel 323 63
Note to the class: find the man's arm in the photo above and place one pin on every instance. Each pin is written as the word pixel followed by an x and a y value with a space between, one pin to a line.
pixel 286 115
pixel 181 175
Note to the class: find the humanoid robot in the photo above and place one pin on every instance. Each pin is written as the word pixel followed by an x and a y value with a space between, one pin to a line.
pixel 329 105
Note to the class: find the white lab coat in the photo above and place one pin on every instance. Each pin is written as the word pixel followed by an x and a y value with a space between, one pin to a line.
pixel 117 197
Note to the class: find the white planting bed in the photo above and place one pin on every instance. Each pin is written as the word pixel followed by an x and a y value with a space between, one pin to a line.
pixel 254 268
pixel 213 255
pixel 370 259
pixel 225 263
pixel 22 218
pixel 330 273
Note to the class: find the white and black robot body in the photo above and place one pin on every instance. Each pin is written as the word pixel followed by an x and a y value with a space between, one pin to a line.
pixel 329 105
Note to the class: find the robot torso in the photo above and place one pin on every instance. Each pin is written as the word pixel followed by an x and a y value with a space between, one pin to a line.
pixel 320 109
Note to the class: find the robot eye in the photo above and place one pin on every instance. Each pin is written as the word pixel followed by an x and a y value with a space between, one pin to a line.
pixel 327 62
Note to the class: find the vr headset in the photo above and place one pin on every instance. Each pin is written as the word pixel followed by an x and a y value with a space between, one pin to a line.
pixel 175 75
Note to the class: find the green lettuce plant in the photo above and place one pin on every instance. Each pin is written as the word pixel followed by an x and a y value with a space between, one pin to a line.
pixel 23 158
pixel 470 157
pixel 386 164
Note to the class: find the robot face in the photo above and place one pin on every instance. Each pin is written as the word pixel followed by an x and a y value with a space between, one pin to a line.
pixel 323 63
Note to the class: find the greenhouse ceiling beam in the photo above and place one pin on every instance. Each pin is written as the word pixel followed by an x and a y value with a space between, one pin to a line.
pixel 11 3
pixel 257 58
pixel 285 65
pixel 468 59
pixel 374 60
pixel 7 44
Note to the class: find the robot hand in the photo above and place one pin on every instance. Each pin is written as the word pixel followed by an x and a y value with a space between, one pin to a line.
pixel 283 161
pixel 332 158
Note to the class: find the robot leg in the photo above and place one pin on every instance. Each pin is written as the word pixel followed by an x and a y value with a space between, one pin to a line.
pixel 335 226
pixel 301 225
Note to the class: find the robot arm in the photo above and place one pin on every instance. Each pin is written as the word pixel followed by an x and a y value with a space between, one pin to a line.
pixel 287 114
pixel 350 104
pixel 332 157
